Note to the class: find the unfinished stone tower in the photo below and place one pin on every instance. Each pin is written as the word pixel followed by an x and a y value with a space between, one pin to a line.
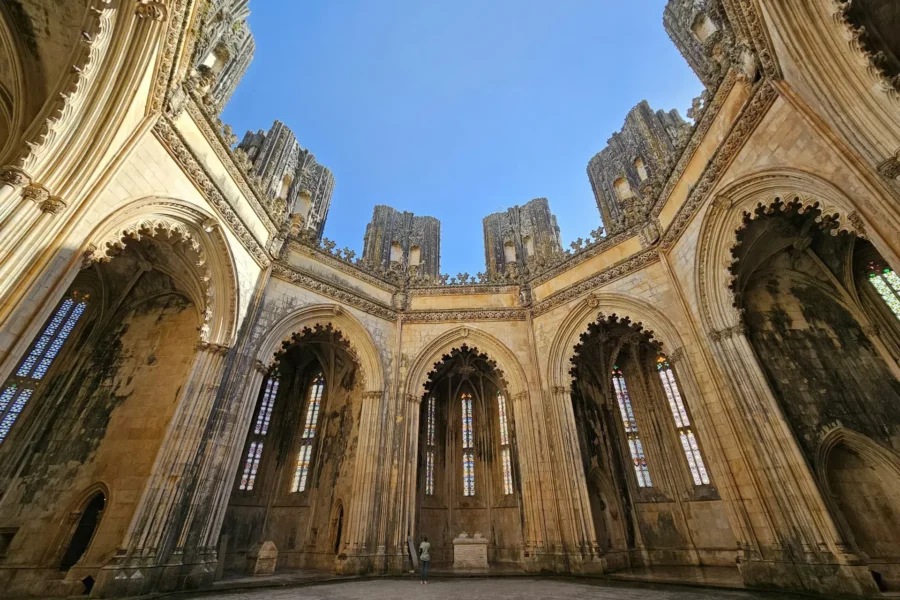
pixel 520 234
pixel 395 238
pixel 291 176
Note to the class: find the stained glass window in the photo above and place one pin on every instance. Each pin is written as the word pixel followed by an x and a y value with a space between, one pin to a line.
pixel 429 447
pixel 20 386
pixel 887 283
pixel 635 447
pixel 506 462
pixel 313 404
pixel 260 429
pixel 682 422
pixel 468 446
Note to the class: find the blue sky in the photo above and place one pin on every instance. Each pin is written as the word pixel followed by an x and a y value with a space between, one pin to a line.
pixel 457 108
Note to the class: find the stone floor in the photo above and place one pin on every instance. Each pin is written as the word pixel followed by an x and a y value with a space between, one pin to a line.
pixel 505 588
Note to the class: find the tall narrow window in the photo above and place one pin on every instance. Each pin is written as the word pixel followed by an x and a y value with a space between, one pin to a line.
pixel 429 448
pixel 682 422
pixel 887 283
pixel 631 431
pixel 313 403
pixel 22 384
pixel 506 460
pixel 468 446
pixel 260 429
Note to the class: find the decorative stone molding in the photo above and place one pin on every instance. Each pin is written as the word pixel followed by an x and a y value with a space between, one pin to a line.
pixel 151 9
pixel 219 349
pixel 728 332
pixel 36 193
pixel 333 290
pixel 217 141
pixel 172 140
pixel 634 263
pixel 675 356
pixel 52 205
pixel 449 316
pixel 890 167
pixel 339 263
pixel 14 177
pixel 176 34
pixel 858 225
pixel 373 395
pixel 752 114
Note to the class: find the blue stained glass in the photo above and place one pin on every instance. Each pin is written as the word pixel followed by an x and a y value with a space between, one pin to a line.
pixel 504 427
pixel 251 466
pixel 635 447
pixel 467 420
pixel 45 338
pixel 429 473
pixel 6 396
pixel 468 473
pixel 507 472
pixel 13 413
pixel 266 406
pixel 682 422
pixel 312 407
pixel 302 471
pixel 45 363
pixel 431 421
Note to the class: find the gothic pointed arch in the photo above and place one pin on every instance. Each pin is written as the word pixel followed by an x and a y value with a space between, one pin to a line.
pixel 211 280
pixel 726 215
pixel 506 360
pixel 562 348
pixel 361 343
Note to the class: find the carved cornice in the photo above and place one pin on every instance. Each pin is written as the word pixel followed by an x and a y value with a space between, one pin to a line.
pixel 196 172
pixel 577 258
pixel 176 32
pixel 52 205
pixel 634 263
pixel 218 349
pixel 203 121
pixel 752 114
pixel 710 114
pixel 15 177
pixel 728 332
pixel 36 193
pixel 465 316
pixel 340 265
pixel 333 290
pixel 444 290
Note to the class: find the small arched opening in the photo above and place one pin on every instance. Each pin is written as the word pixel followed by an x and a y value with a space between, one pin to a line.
pixel 84 531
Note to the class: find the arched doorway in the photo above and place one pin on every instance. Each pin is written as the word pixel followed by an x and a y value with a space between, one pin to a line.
pixel 823 319
pixel 468 477
pixel 299 454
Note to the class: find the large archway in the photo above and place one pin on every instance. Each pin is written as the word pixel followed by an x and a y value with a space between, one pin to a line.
pixel 468 478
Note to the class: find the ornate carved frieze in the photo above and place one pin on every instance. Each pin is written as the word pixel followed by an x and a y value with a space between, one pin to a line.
pixel 176 32
pixel 220 146
pixel 613 272
pixel 728 332
pixel 462 290
pixel 333 291
pixel 339 264
pixel 172 140
pixel 761 100
pixel 573 260
pixel 465 316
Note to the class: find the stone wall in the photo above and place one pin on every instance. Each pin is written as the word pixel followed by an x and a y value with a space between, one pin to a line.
pixel 519 235
pixel 397 239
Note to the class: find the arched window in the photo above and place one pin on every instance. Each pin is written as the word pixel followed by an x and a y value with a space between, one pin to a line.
pixel 313 404
pixel 20 386
pixel 623 189
pixel 887 283
pixel 84 531
pixel 682 422
pixel 631 431
pixel 506 459
pixel 468 446
pixel 703 28
pixel 529 245
pixel 415 256
pixel 260 429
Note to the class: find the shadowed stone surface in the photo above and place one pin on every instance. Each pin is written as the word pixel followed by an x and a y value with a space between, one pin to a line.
pixel 501 589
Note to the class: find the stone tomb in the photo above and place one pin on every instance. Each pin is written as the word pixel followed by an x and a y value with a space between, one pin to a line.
pixel 262 558
pixel 470 553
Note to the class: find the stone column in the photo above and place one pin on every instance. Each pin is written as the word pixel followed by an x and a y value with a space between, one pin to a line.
pixel 404 489
pixel 361 513
pixel 578 537
pixel 146 560
pixel 804 549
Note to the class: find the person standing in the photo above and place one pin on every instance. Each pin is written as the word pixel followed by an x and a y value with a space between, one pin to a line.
pixel 425 558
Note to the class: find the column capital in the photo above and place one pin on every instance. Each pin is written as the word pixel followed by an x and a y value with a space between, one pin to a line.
pixel 14 176
pixel 373 394
pixel 203 346
pixel 36 192
pixel 52 205
pixel 153 10
pixel 676 356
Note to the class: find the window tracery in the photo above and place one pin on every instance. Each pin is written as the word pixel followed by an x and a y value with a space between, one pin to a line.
pixel 468 446
pixel 313 404
pixel 635 447
pixel 260 429
pixel 506 459
pixel 682 422
pixel 430 449
pixel 20 386
pixel 887 283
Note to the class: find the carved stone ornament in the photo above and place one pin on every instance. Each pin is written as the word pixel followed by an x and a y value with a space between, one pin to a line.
pixel 36 193
pixel 52 205
pixel 152 10
pixel 858 225
pixel 890 168
pixel 14 177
